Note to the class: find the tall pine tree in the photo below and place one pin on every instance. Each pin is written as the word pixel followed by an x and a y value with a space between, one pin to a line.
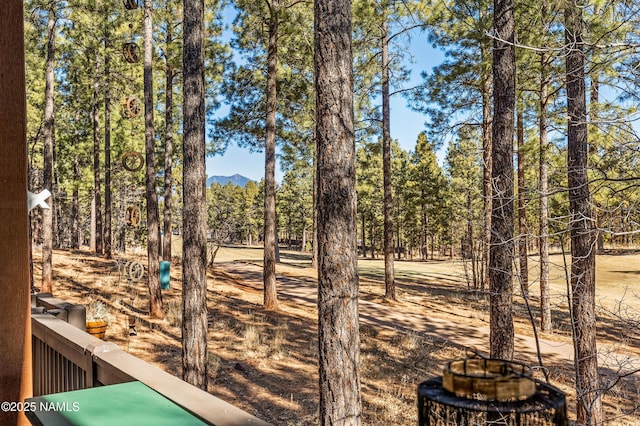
pixel 338 330
pixel 194 253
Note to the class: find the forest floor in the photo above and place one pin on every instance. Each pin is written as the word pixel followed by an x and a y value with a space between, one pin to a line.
pixel 266 362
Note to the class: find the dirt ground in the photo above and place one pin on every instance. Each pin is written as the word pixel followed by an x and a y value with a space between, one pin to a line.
pixel 266 362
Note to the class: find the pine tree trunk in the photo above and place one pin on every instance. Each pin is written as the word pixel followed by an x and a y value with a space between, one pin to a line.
pixel 97 192
pixel 545 296
pixel 270 237
pixel 314 256
pixel 277 242
pixel 75 204
pixel 364 236
pixel 433 245
pixel 304 238
pixel 468 247
pixel 372 236
pixel 487 161
pixel 57 227
pixel 502 246
pixel 49 140
pixel 122 231
pixel 168 164
pixel 153 219
pixel 194 255
pixel 398 242
pixel 593 148
pixel 338 325
pixel 389 280
pixel 522 205
pixel 107 160
pixel 92 232
pixel 583 232
pixel 423 231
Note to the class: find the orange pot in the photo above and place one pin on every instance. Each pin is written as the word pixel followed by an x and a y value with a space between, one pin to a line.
pixel 97 328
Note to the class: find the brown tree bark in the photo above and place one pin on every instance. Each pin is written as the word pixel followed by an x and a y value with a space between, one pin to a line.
pixel 122 229
pixel 487 162
pixel 58 230
pixel 545 296
pixel 468 245
pixel 363 233
pixel 168 163
pixel 304 237
pixel 96 229
pixel 522 204
pixel 92 231
pixel 582 227
pixel 502 246
pixel 594 112
pixel 389 279
pixel 49 140
pixel 107 231
pixel 76 240
pixel 314 254
pixel 338 332
pixel 75 193
pixel 194 254
pixel 15 321
pixel 423 229
pixel 170 75
pixel 153 217
pixel 270 237
pixel 372 235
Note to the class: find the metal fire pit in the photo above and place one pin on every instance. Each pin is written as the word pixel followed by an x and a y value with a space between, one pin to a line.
pixel 489 392
pixel 489 379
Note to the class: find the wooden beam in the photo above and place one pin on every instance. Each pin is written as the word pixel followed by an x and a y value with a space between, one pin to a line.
pixel 15 326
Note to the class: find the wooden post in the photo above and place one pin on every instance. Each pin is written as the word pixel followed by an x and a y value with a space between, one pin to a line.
pixel 15 326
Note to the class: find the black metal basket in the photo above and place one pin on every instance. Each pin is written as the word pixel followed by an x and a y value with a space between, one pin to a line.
pixel 439 407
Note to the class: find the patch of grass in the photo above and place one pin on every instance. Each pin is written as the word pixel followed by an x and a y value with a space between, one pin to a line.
pixel 278 341
pixel 215 364
pixel 221 325
pixel 368 330
pixel 252 337
pixel 411 341
pixel 173 313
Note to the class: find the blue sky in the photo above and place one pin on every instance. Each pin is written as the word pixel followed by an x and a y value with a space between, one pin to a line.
pixel 405 123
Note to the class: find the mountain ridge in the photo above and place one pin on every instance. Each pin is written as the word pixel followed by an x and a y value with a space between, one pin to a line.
pixel 235 179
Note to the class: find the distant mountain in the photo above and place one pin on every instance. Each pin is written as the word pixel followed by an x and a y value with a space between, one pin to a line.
pixel 236 179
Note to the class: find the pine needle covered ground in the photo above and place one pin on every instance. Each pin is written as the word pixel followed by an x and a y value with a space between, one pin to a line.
pixel 265 362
